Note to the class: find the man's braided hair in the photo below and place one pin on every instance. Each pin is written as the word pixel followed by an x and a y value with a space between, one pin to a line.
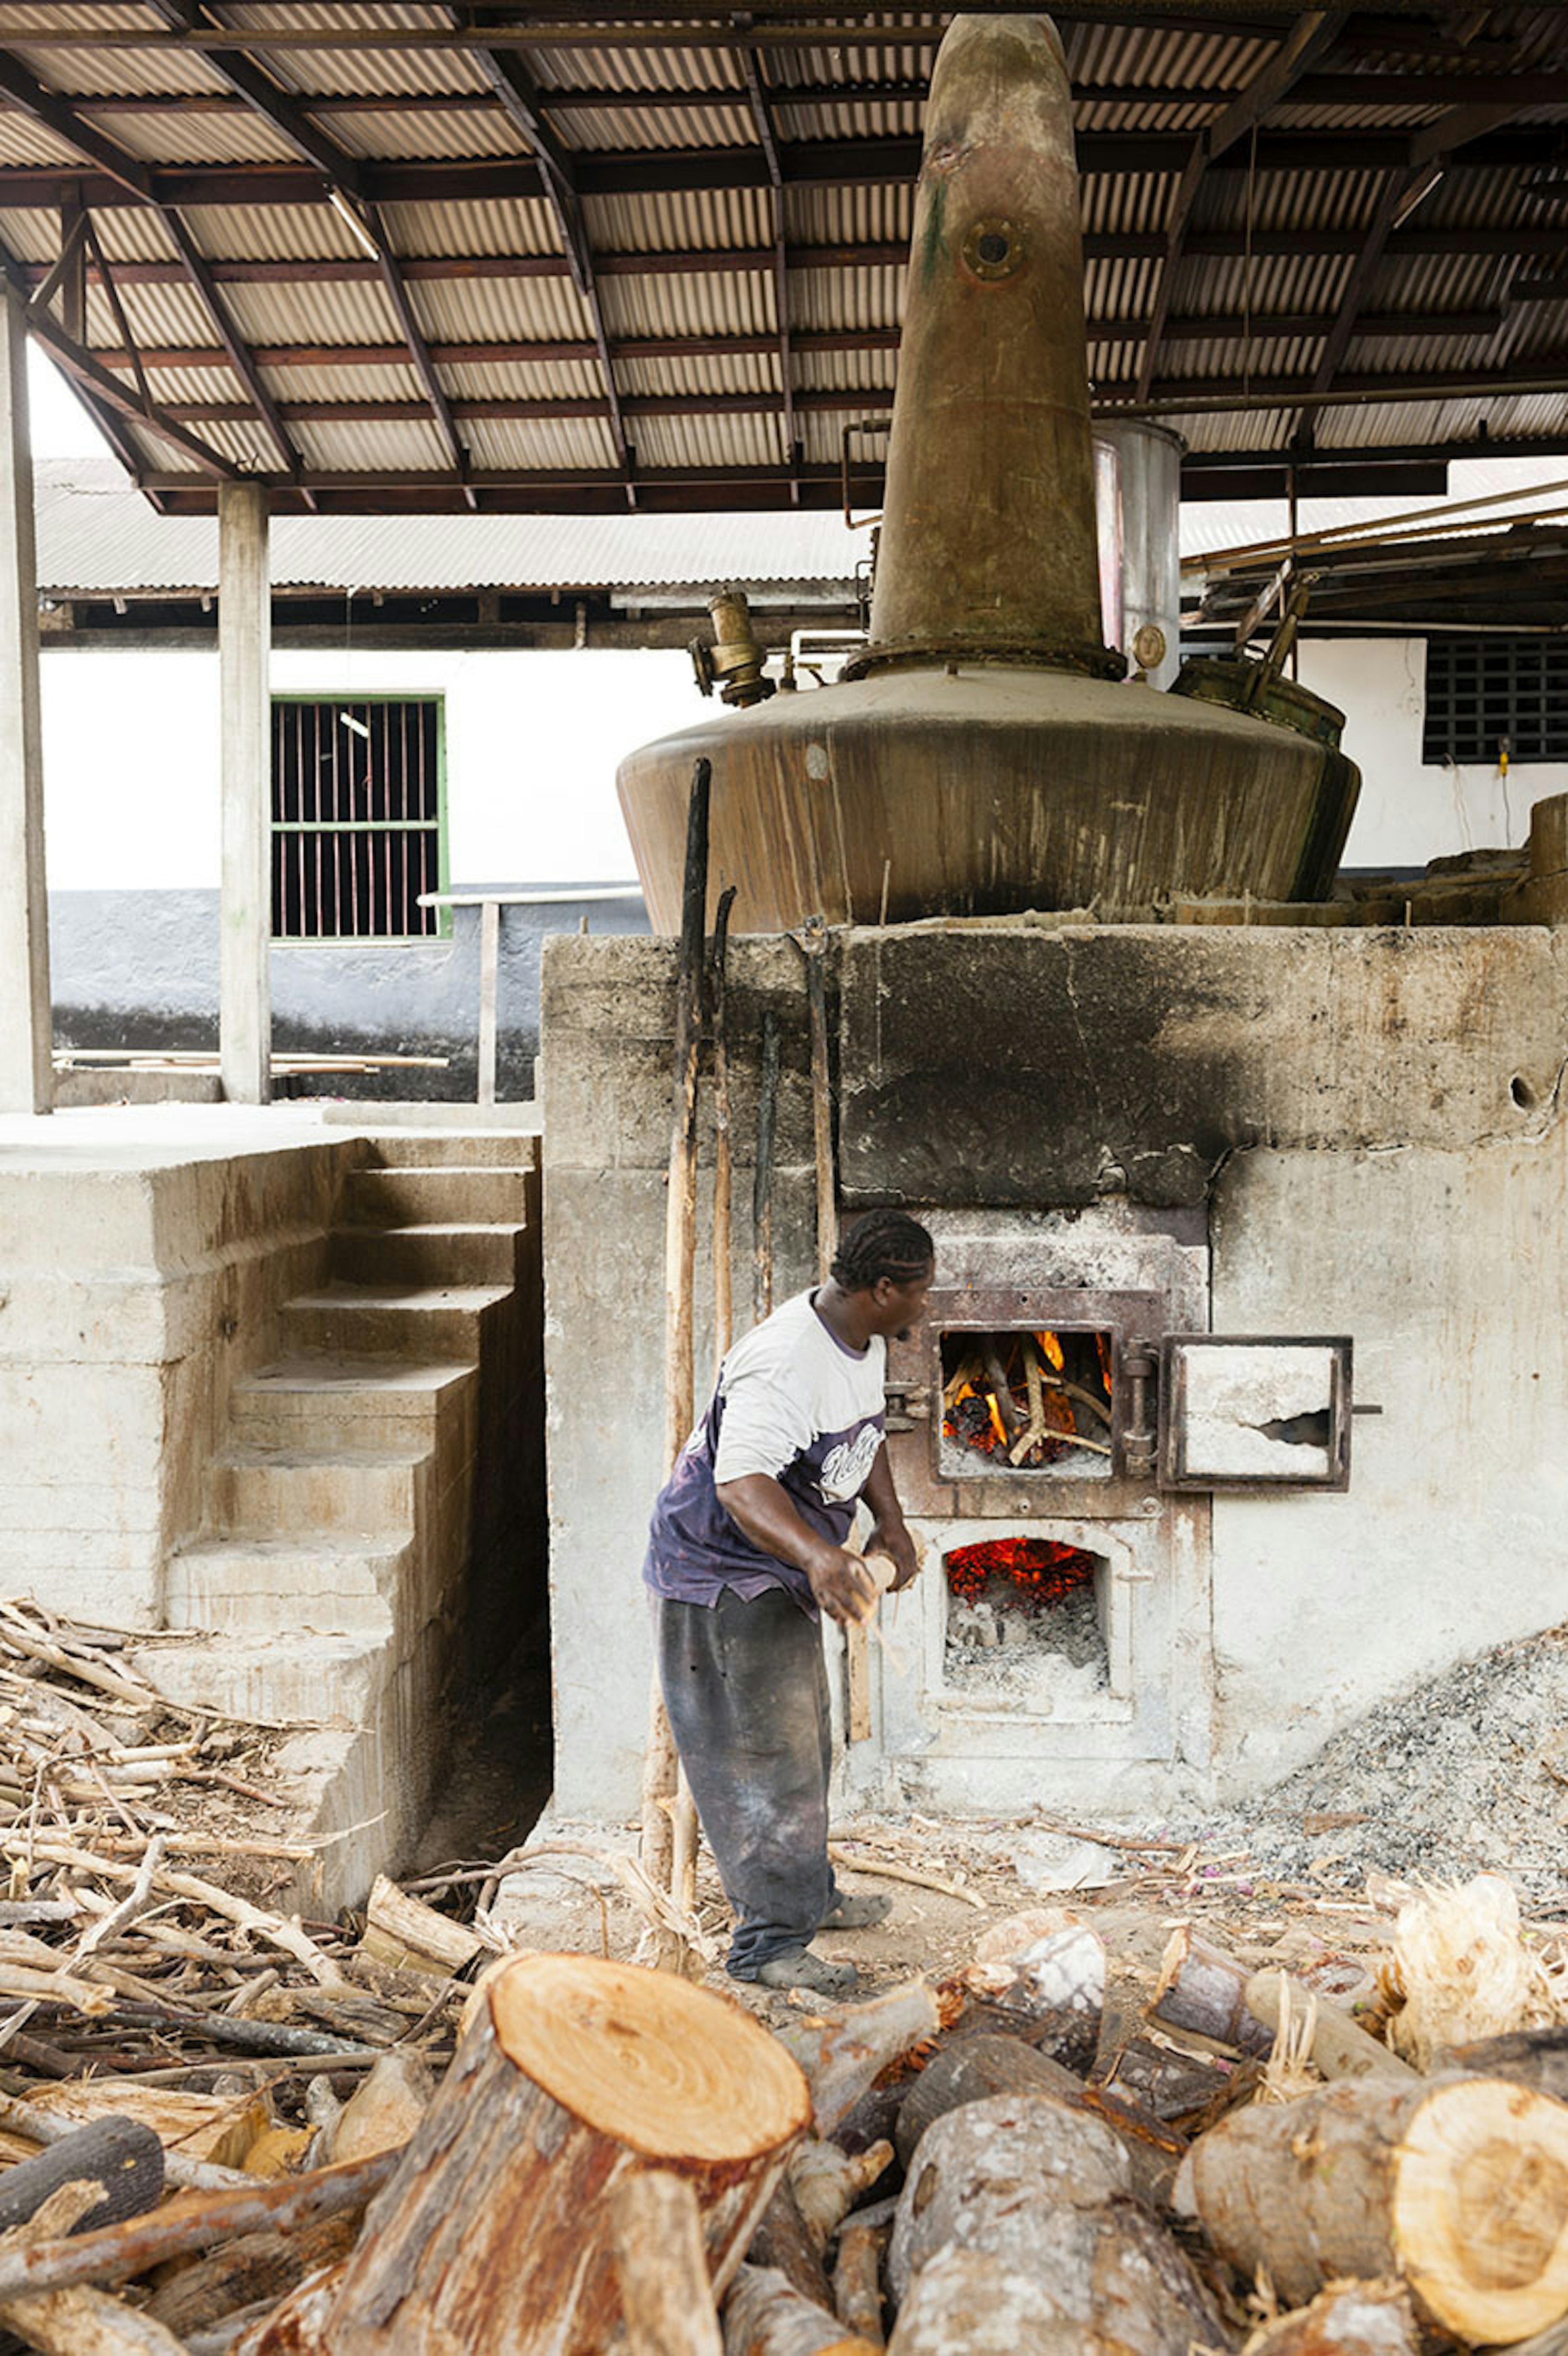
pixel 884 1243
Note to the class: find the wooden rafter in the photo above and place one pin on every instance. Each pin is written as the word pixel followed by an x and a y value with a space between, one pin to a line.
pixel 762 125
pixel 514 87
pixel 343 175
pixel 22 91
pixel 1304 42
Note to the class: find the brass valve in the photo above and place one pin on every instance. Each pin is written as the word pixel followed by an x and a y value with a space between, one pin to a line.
pixel 734 661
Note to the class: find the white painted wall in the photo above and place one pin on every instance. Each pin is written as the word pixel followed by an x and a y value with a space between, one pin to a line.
pixel 1409 812
pixel 533 739
pixel 533 743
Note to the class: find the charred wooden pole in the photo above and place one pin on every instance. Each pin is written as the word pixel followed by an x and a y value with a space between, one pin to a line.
pixel 661 1769
pixel 723 1155
pixel 762 1172
pixel 812 942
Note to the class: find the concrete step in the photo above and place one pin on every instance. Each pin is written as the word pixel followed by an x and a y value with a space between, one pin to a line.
pixel 334 1680
pixel 388 1322
pixel 446 1254
pixel 496 1148
pixel 373 1401
pixel 313 1491
pixel 322 1585
pixel 392 1198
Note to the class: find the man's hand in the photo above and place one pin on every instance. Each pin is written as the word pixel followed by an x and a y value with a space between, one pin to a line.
pixel 842 1585
pixel 891 1537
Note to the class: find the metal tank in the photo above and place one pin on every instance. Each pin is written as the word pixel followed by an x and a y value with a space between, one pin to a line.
pixel 984 753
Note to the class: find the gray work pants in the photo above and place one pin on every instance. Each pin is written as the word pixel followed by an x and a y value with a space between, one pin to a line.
pixel 747 1696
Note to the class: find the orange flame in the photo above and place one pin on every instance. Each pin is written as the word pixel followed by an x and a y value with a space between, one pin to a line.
pixel 997 1426
pixel 1052 1349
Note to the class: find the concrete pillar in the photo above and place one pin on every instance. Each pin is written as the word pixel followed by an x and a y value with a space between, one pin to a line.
pixel 244 643
pixel 26 1072
pixel 1148 474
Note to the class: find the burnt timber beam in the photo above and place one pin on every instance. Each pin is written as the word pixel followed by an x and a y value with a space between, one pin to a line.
pixel 131 174
pixel 1237 122
pixel 515 88
pixel 762 125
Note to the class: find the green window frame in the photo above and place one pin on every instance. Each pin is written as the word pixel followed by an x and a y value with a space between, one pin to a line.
pixel 359 817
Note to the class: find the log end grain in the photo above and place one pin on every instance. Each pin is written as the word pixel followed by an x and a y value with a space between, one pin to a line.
pixel 1480 2209
pixel 672 2072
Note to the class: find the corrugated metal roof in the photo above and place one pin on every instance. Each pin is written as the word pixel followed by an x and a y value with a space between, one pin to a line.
pixel 654 114
pixel 97 537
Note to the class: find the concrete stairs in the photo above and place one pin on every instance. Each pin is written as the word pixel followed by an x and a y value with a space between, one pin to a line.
pixel 340 1530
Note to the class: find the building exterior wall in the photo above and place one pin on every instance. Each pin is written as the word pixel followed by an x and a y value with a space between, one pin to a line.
pixel 1373 1120
pixel 1409 812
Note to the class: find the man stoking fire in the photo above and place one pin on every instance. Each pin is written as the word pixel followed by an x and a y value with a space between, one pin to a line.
pixel 747 1547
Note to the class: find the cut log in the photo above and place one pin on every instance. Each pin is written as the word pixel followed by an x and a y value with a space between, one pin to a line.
pixel 990 2167
pixel 577 2072
pixel 411 1937
pixel 857 2282
pixel 1041 1975
pixel 827 2183
pixel 1181 2090
pixel 1039 2189
pixel 1458 2188
pixel 256 2267
pixel 662 2267
pixel 1203 1992
pixel 383 2114
pixel 76 2322
pixel 964 2304
pixel 1351 2320
pixel 763 2317
pixel 1339 2047
pixel 120 2155
pixel 843 2053
pixel 781 2240
pixel 972 2069
pixel 1535 2057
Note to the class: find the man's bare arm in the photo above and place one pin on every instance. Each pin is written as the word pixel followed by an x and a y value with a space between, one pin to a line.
pixel 890 1535
pixel 761 1508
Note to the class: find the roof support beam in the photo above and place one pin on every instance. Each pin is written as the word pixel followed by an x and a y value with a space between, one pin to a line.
pixel 346 182
pixel 515 88
pixel 1312 32
pixel 762 125
pixel 130 173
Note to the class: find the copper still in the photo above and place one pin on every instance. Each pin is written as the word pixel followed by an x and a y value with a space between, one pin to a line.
pixel 983 754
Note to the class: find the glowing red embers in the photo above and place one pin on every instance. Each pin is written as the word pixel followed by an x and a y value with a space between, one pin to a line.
pixel 1043 1570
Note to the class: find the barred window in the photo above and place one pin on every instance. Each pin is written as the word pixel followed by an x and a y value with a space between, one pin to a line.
pixel 358 818
pixel 1485 692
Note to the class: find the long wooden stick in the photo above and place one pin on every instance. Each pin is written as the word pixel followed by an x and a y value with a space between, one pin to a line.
pixel 762 1175
pixel 656 2233
pixel 661 1769
pixel 723 1158
pixel 116 2253
pixel 812 942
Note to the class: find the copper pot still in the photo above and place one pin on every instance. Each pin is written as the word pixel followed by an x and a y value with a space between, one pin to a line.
pixel 984 753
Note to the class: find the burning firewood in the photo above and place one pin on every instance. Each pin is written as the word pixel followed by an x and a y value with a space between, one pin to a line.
pixel 1459 2187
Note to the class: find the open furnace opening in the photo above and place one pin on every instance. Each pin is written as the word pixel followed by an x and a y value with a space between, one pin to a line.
pixel 1026 1622
pixel 1027 1401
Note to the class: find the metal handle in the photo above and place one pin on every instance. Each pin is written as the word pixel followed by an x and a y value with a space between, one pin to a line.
pixel 1140 1364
